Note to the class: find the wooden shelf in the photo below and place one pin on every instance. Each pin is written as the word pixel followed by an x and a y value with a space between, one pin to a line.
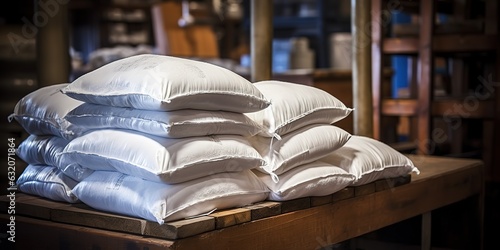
pixel 399 107
pixel 407 45
pixel 465 43
pixel 443 43
pixel 467 108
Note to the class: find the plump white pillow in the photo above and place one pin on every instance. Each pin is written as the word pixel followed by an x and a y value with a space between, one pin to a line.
pixel 311 179
pixel 119 193
pixel 370 160
pixel 301 146
pixel 42 112
pixel 295 105
pixel 172 124
pixel 47 181
pixel 45 150
pixel 161 159
pixel 158 82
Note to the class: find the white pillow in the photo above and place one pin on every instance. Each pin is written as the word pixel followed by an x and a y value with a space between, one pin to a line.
pixel 370 160
pixel 301 146
pixel 161 159
pixel 47 181
pixel 173 124
pixel 42 112
pixel 295 105
pixel 45 149
pixel 157 82
pixel 311 179
pixel 132 196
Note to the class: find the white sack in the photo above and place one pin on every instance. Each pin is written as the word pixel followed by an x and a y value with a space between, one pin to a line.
pixel 295 105
pixel 370 160
pixel 301 146
pixel 128 195
pixel 173 124
pixel 311 179
pixel 161 159
pixel 42 112
pixel 47 181
pixel 157 82
pixel 45 150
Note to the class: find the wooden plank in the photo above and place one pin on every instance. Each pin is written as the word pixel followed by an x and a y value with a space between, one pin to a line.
pixel 397 107
pixel 343 194
pixel 389 183
pixel 296 204
pixel 465 43
pixel 441 183
pixel 406 45
pixel 364 189
pixel 37 207
pixel 264 209
pixel 231 217
pixel 180 229
pixel 81 214
pixel 469 107
pixel 321 200
pixel 40 234
pixel 5 200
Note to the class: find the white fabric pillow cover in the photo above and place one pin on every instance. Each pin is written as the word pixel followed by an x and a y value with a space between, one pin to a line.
pixel 158 82
pixel 161 159
pixel 47 181
pixel 45 150
pixel 295 105
pixel 173 124
pixel 311 179
pixel 301 146
pixel 123 194
pixel 370 160
pixel 42 112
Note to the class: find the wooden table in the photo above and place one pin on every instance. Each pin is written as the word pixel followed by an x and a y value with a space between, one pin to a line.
pixel 307 223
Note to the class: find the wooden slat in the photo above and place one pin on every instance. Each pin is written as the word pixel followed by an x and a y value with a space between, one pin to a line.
pixel 231 217
pixel 364 189
pixel 389 183
pixel 321 200
pixel 38 207
pixel 41 234
pixel 407 45
pixel 86 216
pixel 465 43
pixel 397 107
pixel 180 229
pixel 469 107
pixel 264 209
pixel 343 194
pixel 296 204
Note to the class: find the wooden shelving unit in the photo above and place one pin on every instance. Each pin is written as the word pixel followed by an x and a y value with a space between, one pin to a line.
pixel 447 123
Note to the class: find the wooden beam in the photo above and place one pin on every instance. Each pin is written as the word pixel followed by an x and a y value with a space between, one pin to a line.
pixel 261 32
pixel 361 68
pixel 53 60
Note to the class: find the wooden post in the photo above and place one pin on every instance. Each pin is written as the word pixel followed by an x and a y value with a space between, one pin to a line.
pixel 361 67
pixel 261 32
pixel 53 60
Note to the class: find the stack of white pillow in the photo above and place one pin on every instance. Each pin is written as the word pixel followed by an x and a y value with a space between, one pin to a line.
pixel 154 136
pixel 164 138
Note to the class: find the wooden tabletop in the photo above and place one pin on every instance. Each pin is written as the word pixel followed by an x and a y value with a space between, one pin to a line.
pixel 306 223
